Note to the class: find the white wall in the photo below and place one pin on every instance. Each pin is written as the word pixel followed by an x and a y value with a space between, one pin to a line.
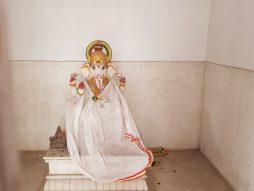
pixel 227 124
pixel 164 98
pixel 143 30
pixel 166 104
pixel 228 107
pixel 231 29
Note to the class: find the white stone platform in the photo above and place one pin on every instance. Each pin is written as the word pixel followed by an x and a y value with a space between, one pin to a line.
pixel 64 176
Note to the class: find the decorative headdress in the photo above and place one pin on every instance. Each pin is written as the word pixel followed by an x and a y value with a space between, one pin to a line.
pixel 98 52
pixel 95 54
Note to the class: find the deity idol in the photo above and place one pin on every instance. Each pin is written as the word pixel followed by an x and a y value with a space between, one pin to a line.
pixel 102 138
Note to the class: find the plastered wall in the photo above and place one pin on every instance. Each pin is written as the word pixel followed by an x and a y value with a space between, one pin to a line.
pixel 228 108
pixel 143 30
pixel 47 41
pixel 164 98
pixel 230 37
pixel 227 123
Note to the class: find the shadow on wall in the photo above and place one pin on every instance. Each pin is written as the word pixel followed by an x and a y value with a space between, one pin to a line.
pixel 8 156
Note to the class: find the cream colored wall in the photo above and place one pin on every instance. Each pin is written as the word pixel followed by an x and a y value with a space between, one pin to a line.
pixel 227 123
pixel 231 29
pixel 143 30
pixel 164 98
pixel 228 106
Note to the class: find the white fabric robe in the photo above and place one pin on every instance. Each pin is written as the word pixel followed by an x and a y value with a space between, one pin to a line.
pixel 102 138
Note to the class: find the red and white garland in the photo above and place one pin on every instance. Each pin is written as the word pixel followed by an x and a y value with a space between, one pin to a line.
pixel 137 141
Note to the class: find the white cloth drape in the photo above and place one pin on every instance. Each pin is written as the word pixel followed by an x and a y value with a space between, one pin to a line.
pixel 96 136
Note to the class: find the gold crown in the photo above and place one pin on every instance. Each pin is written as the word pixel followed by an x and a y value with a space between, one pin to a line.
pixel 98 56
pixel 95 54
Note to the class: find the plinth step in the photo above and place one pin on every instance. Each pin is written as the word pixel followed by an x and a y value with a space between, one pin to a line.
pixel 72 176
pixel 87 184
pixel 65 176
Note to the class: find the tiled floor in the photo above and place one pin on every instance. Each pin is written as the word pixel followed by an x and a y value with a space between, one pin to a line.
pixel 186 170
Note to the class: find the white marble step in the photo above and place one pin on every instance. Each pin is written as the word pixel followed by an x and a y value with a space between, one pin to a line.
pixel 64 176
pixel 59 162
pixel 70 177
pixel 86 184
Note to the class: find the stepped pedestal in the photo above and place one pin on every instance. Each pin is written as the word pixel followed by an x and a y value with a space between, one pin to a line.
pixel 64 176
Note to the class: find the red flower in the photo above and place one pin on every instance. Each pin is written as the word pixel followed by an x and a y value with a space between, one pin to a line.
pixel 73 77
pixel 81 85
pixel 122 80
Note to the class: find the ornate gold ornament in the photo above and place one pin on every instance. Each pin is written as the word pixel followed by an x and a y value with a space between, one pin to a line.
pixel 95 54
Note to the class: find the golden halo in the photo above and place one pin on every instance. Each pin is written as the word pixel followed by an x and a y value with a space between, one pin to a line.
pixel 101 43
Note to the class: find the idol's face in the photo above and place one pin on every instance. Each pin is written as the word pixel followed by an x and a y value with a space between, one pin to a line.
pixel 98 71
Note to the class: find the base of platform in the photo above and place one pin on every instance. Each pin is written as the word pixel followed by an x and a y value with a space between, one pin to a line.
pixel 87 184
pixel 64 176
